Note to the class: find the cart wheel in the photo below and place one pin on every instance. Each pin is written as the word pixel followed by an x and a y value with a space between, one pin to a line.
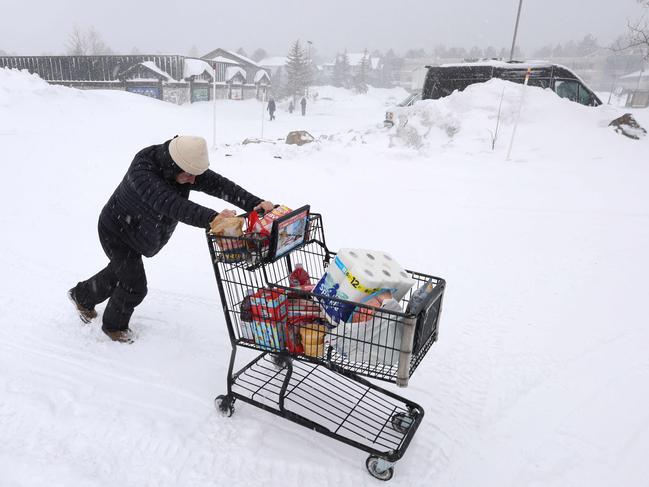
pixel 372 464
pixel 401 422
pixel 225 405
pixel 280 361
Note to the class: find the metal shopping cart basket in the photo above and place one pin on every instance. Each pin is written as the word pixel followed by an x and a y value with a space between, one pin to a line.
pixel 309 372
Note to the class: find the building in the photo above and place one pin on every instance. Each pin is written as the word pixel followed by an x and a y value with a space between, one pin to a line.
pixel 238 77
pixel 173 78
pixel 635 87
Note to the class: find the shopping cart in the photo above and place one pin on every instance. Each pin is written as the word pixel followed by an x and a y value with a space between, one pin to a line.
pixel 310 373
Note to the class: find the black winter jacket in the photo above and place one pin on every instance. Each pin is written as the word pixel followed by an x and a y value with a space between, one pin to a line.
pixel 147 205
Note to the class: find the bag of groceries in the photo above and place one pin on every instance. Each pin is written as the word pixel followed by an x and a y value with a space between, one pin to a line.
pixel 233 248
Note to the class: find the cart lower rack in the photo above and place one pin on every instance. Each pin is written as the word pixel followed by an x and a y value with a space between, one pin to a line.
pixel 323 387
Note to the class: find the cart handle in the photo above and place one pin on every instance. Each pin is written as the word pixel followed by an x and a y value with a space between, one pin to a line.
pixel 260 212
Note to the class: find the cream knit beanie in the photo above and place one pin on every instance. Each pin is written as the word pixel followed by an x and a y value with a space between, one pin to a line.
pixel 190 153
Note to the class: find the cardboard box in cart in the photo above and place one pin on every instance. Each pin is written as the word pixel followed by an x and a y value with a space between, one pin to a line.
pixel 269 317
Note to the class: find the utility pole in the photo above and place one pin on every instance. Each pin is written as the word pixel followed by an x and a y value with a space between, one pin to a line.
pixel 518 16
pixel 518 117
pixel 309 67
pixel 214 105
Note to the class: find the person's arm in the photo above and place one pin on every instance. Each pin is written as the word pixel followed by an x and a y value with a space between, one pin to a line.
pixel 156 193
pixel 220 187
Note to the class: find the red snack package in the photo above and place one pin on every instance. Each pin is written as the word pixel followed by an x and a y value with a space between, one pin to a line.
pixel 299 277
pixel 263 225
pixel 293 338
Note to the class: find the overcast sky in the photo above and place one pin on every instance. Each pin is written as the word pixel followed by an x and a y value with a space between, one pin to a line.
pixel 173 27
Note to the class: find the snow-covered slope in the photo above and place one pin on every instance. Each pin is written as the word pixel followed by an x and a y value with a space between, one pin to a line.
pixel 540 376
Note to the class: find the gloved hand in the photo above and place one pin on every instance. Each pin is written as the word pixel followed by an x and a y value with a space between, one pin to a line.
pixel 264 205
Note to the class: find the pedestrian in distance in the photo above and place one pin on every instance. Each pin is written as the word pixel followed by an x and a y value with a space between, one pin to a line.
pixel 271 108
pixel 303 105
pixel 291 106
pixel 139 219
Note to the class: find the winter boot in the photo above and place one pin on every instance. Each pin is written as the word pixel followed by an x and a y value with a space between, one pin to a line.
pixel 122 336
pixel 85 314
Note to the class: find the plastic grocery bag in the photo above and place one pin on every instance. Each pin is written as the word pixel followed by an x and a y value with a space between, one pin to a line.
pixel 233 249
pixel 375 341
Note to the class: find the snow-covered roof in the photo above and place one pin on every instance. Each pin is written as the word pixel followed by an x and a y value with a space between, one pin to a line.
pixel 243 58
pixel 500 64
pixel 153 67
pixel 232 71
pixel 196 67
pixel 273 61
pixel 261 74
pixel 224 60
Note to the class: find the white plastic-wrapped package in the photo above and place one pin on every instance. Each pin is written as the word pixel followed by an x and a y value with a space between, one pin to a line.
pixel 356 275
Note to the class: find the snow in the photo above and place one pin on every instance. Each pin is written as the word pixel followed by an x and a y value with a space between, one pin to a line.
pixel 153 67
pixel 273 62
pixel 261 74
pixel 540 376
pixel 243 58
pixel 232 71
pixel 196 67
pixel 501 64
pixel 225 60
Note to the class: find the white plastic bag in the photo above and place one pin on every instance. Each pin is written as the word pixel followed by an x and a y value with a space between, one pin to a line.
pixel 376 341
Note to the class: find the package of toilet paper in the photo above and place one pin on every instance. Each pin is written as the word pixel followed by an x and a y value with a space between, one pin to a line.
pixel 356 275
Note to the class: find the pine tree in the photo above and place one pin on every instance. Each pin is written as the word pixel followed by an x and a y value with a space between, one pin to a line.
pixel 490 52
pixel 587 45
pixel 259 54
pixel 341 71
pixel 298 76
pixel 476 53
pixel 360 80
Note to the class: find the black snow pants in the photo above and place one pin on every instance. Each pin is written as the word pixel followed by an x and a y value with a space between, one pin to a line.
pixel 122 282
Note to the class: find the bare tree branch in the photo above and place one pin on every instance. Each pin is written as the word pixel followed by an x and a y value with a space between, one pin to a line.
pixel 82 43
pixel 637 36
pixel 77 44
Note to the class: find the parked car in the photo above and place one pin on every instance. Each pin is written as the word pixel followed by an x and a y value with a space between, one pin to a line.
pixel 443 80
pixel 391 114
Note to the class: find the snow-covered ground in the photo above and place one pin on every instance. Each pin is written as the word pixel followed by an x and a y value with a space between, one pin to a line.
pixel 541 373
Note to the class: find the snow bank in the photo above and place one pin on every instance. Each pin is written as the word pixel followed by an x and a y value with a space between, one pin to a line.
pixel 542 355
pixel 467 120
pixel 20 83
